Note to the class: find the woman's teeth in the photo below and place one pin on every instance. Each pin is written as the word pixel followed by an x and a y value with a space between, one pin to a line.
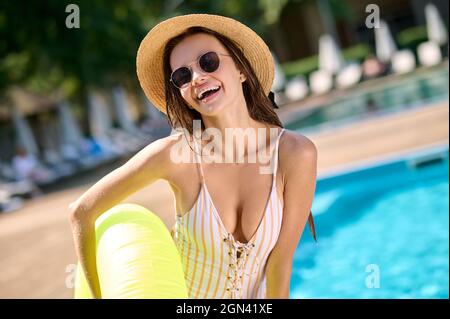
pixel 208 92
pixel 209 96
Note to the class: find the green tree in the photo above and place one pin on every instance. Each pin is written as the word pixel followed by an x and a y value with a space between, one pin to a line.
pixel 39 52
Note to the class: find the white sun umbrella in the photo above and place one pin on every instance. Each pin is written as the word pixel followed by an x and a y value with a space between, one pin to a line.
pixel 24 133
pixel 384 42
pixel 435 26
pixel 330 55
pixel 280 79
pixel 70 130
pixel 151 111
pixel 100 121
pixel 122 109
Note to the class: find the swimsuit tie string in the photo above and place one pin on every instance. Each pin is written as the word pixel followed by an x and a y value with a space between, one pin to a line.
pixel 239 253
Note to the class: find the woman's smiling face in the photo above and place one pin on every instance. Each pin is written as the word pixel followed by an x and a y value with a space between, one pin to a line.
pixel 227 76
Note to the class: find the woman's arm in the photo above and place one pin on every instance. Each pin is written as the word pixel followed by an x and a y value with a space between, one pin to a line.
pixel 145 167
pixel 300 171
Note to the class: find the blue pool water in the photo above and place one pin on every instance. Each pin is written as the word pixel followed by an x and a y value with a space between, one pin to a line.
pixel 415 90
pixel 383 232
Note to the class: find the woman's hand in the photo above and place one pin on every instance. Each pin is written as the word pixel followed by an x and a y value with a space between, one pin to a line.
pixel 84 241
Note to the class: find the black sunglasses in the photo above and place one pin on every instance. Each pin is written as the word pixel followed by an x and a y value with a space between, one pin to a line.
pixel 208 62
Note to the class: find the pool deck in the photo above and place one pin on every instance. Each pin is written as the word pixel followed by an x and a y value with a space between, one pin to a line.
pixel 375 138
pixel 36 246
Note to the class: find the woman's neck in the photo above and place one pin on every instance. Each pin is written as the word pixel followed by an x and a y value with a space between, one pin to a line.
pixel 245 138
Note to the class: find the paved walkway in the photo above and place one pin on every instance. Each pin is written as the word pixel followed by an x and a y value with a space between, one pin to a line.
pixel 386 135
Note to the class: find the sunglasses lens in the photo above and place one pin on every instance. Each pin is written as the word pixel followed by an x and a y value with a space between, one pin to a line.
pixel 209 62
pixel 181 76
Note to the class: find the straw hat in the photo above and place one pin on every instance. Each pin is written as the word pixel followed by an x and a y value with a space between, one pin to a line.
pixel 149 61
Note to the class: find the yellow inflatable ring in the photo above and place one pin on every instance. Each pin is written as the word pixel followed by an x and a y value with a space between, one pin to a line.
pixel 136 257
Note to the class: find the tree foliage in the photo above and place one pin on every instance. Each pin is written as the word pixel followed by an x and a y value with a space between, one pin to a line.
pixel 39 52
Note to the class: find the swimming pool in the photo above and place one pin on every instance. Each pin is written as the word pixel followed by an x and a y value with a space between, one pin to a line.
pixel 407 91
pixel 383 232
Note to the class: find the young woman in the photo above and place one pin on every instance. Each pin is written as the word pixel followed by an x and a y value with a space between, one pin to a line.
pixel 237 224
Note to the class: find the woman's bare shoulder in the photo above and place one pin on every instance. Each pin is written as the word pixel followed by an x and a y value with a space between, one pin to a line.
pixel 296 148
pixel 164 153
pixel 161 148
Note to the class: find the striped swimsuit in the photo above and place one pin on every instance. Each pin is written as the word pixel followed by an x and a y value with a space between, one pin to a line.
pixel 216 265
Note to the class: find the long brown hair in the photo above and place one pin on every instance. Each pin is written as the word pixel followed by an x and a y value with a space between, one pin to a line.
pixel 258 104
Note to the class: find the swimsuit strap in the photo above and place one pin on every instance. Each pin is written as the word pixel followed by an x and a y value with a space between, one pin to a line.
pixel 276 155
pixel 198 157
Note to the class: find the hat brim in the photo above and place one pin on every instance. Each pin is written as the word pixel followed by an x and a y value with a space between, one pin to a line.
pixel 149 60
